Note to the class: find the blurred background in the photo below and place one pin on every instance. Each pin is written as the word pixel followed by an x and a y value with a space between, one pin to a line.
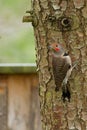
pixel 19 100
pixel 16 38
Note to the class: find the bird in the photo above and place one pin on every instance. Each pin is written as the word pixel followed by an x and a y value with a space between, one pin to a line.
pixel 62 68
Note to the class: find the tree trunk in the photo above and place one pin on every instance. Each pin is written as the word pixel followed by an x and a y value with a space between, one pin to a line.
pixel 64 21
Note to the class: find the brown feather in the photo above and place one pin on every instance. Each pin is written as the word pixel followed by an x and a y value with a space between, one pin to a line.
pixel 60 68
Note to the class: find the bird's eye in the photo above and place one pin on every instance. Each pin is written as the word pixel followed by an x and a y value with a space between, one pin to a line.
pixel 56 45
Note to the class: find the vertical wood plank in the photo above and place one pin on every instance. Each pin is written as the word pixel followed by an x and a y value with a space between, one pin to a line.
pixel 23 107
pixel 3 103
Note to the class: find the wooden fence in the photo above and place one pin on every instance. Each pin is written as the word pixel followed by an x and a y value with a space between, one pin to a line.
pixel 19 102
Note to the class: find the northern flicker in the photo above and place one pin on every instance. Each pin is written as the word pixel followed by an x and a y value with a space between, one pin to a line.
pixel 62 68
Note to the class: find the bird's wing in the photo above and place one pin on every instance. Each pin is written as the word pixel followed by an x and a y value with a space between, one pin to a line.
pixel 60 68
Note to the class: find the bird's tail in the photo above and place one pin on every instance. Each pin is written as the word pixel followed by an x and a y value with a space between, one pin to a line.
pixel 66 93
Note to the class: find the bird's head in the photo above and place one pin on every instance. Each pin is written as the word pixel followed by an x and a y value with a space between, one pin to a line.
pixel 57 49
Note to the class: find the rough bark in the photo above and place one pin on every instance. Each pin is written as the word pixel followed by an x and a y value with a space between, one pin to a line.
pixel 55 114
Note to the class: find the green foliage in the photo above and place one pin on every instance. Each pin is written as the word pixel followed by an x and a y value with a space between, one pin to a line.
pixel 16 38
pixel 15 6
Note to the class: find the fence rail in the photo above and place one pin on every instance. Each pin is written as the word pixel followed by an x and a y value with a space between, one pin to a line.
pixel 11 68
